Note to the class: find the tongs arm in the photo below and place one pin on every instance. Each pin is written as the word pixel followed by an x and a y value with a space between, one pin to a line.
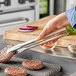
pixel 34 42
pixel 39 43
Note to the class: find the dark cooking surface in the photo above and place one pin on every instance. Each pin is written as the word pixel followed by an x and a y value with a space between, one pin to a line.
pixel 48 70
pixel 68 65
pixel 1 38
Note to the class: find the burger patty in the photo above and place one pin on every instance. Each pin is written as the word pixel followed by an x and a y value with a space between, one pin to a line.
pixel 6 57
pixel 33 64
pixel 15 71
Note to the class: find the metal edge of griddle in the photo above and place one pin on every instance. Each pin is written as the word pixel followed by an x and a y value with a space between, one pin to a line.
pixel 66 57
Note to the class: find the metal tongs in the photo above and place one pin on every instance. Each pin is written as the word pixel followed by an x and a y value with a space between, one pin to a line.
pixel 34 42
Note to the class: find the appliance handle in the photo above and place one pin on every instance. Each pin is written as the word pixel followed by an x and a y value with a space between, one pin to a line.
pixel 13 21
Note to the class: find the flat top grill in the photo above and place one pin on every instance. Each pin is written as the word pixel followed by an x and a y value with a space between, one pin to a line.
pixel 64 62
pixel 48 70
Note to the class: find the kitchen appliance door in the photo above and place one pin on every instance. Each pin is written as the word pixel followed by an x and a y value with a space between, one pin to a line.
pixel 11 20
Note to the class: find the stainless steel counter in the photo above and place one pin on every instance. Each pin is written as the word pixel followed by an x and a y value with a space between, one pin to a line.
pixel 68 64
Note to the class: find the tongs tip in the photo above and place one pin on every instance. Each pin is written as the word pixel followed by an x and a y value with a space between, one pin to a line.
pixel 9 50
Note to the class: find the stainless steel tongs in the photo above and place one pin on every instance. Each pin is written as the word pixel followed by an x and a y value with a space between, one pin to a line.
pixel 34 42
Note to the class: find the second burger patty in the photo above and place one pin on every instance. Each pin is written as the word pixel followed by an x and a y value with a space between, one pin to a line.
pixel 33 64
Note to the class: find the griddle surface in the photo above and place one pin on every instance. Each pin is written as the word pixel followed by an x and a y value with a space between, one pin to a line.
pixel 48 70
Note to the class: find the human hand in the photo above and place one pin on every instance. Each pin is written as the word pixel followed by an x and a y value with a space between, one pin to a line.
pixel 54 24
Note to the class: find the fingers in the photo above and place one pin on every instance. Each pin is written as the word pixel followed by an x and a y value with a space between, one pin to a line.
pixel 47 29
pixel 43 33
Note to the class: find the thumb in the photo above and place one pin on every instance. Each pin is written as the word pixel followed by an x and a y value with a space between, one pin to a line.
pixel 42 34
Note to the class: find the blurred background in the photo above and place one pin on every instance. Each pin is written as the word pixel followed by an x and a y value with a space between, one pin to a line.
pixel 14 13
pixel 50 7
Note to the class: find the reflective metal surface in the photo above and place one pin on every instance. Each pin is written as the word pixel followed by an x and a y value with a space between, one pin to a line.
pixel 58 51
